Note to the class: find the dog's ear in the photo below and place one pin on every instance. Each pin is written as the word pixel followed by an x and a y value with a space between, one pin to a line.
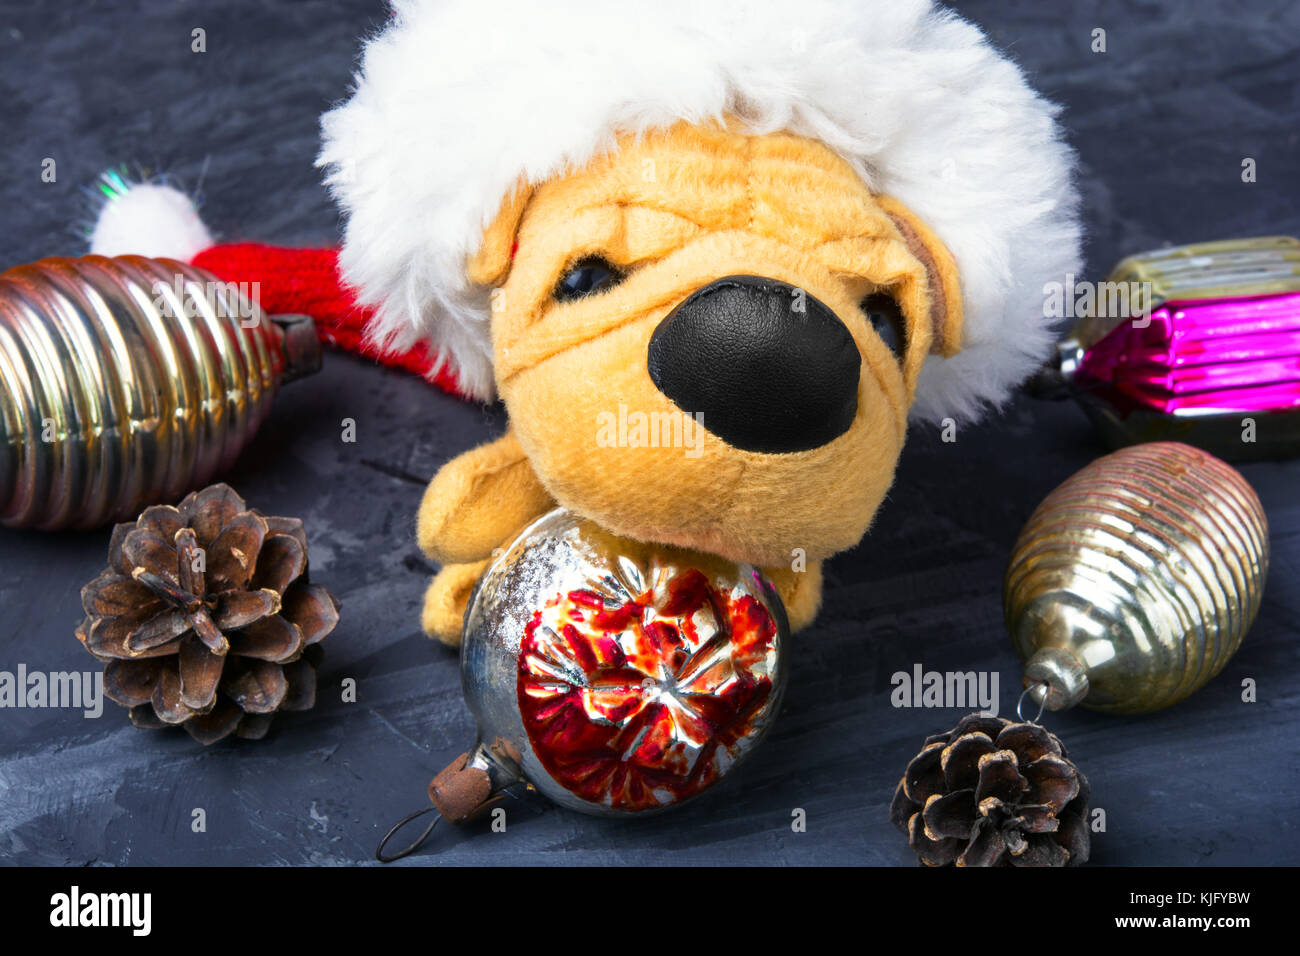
pixel 944 286
pixel 490 264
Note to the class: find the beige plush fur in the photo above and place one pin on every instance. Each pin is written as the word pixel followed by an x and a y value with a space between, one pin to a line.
pixel 676 210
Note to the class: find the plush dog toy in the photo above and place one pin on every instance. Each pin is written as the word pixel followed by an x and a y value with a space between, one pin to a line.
pixel 778 229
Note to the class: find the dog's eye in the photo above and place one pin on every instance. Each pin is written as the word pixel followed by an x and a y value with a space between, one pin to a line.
pixel 887 319
pixel 587 277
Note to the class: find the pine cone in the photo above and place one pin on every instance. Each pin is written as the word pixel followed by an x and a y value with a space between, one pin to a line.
pixel 993 793
pixel 206 617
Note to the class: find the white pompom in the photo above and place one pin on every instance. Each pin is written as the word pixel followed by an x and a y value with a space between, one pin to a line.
pixel 149 219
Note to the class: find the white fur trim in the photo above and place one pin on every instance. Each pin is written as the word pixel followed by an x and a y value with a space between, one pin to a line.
pixel 455 99
pixel 149 219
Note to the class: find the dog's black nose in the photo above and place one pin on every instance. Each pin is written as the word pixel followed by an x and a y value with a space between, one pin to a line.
pixel 770 368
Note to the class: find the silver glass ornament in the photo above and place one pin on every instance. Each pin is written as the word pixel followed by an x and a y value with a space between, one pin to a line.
pixel 618 677
pixel 1134 581
pixel 129 381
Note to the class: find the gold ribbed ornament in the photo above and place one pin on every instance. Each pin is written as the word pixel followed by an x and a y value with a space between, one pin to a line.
pixel 129 381
pixel 1134 581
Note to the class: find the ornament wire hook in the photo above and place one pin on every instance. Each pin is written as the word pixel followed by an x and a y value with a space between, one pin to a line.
pixel 419 841
pixel 1042 704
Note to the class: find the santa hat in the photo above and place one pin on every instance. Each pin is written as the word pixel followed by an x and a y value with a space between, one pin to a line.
pixel 456 100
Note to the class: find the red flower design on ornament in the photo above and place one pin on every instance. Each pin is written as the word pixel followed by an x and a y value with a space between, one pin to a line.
pixel 637 706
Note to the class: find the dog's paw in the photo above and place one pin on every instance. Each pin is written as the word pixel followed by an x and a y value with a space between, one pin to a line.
pixel 446 599
pixel 800 592
pixel 478 500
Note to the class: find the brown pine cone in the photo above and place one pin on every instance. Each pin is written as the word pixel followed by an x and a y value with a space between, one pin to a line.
pixel 991 792
pixel 206 617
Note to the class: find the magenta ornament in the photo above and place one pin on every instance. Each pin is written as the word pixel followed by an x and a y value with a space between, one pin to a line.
pixel 1207 351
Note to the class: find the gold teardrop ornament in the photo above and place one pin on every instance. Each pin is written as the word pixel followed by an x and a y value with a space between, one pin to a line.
pixel 1136 579
pixel 130 381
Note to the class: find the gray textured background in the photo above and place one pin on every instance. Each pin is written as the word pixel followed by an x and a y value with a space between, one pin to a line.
pixel 1161 122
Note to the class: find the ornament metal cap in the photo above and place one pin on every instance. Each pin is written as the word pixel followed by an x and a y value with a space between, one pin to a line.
pixel 1055 679
pixel 464 790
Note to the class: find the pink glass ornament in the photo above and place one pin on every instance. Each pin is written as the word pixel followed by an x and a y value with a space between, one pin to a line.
pixel 1209 355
